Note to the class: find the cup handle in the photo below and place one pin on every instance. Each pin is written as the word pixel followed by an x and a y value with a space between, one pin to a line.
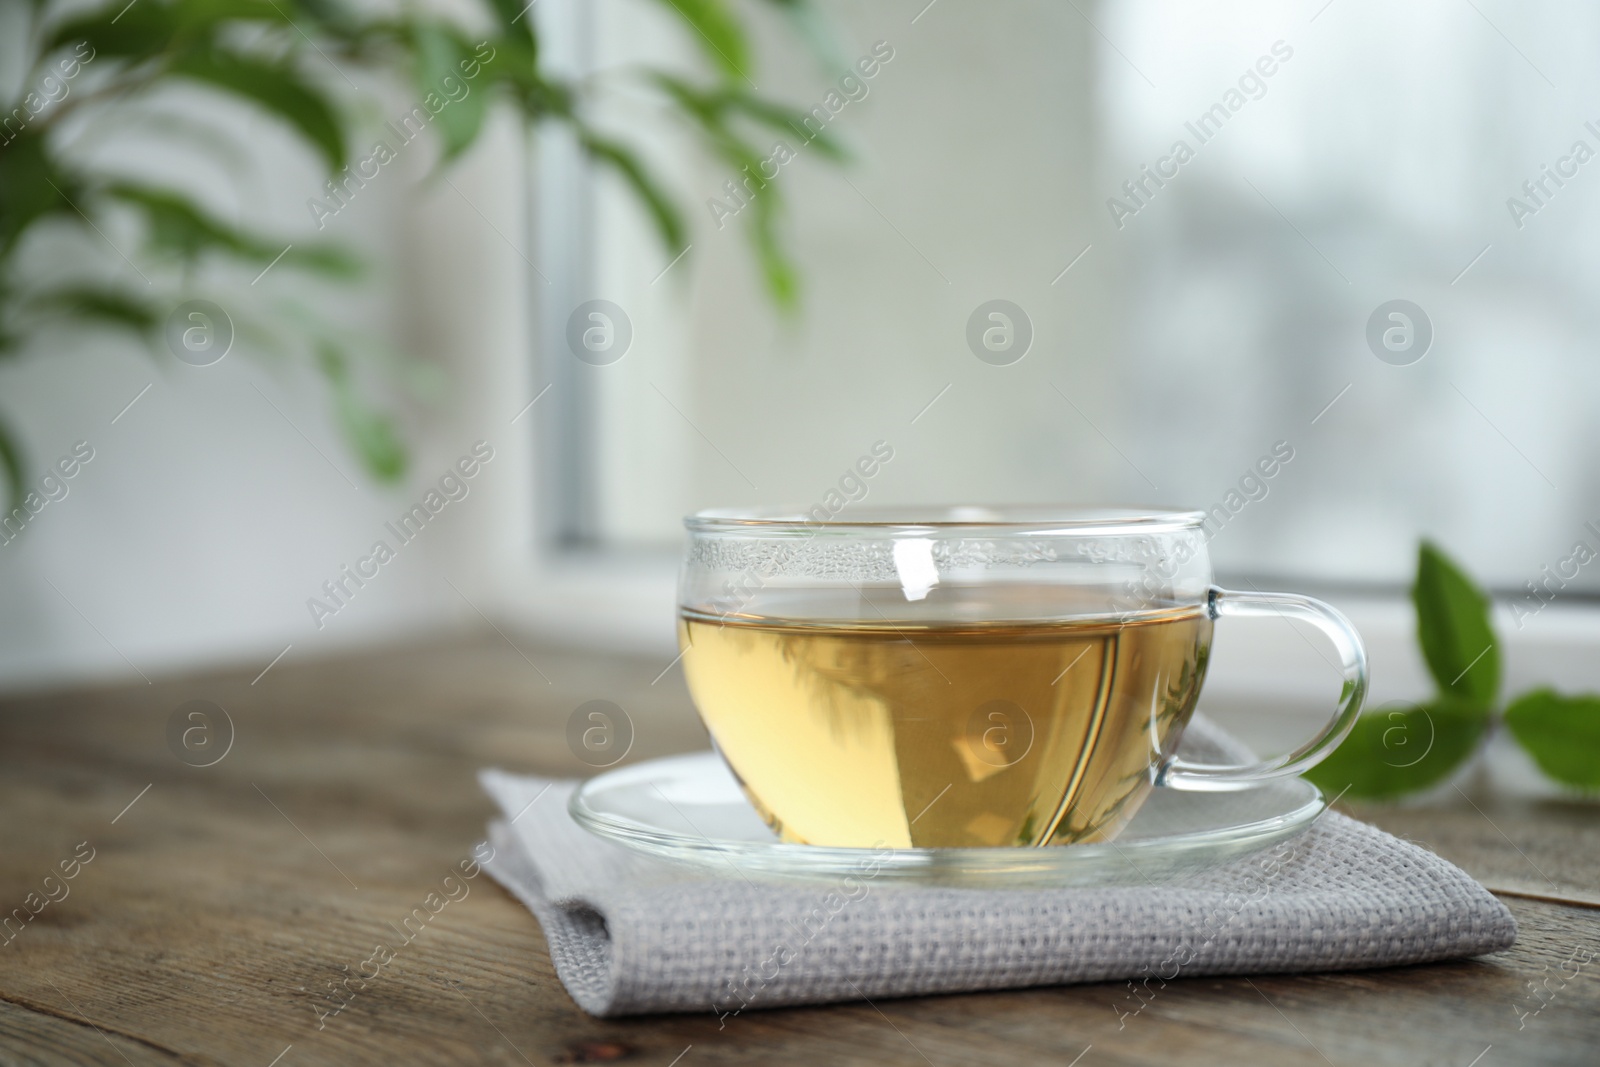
pixel 1178 773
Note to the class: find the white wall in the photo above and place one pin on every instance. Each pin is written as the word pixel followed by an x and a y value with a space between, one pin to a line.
pixel 222 499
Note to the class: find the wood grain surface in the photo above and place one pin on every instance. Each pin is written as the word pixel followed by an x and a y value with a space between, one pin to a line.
pixel 219 907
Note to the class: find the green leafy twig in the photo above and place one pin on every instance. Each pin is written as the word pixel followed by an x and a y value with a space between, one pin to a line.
pixel 275 55
pixel 1405 749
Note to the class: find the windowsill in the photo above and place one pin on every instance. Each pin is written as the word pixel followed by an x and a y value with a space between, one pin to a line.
pixel 611 600
pixel 1269 684
pixel 624 601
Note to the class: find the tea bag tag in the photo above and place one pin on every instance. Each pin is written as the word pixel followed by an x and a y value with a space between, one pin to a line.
pixel 913 564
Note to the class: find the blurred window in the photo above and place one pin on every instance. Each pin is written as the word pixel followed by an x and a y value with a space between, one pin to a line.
pixel 1197 316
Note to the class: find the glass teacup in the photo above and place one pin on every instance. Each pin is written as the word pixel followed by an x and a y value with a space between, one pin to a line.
pixel 966 676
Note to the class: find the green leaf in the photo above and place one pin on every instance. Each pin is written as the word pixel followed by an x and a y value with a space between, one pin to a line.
pixel 142 30
pixel 178 227
pixel 621 159
pixel 370 432
pixel 440 58
pixel 113 307
pixel 276 88
pixel 514 62
pixel 711 110
pixel 783 281
pixel 1454 631
pixel 516 16
pixel 1561 733
pixel 1400 750
pixel 31 187
pixel 148 28
pixel 718 32
pixel 11 463
pixel 785 120
pixel 332 261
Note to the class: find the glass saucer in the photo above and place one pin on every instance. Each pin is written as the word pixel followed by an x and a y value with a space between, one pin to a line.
pixel 690 809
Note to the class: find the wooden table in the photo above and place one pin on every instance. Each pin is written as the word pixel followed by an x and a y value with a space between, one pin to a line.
pixel 221 901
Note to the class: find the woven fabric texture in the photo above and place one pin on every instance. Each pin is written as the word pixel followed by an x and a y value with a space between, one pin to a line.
pixel 630 934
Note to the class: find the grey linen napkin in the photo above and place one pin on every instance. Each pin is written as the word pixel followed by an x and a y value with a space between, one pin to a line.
pixel 630 934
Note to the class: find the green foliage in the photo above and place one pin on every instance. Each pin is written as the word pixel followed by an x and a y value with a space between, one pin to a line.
pixel 371 433
pixel 440 53
pixel 111 307
pixel 625 163
pixel 291 60
pixel 1453 629
pixel 1401 750
pixel 720 111
pixel 12 461
pixel 276 88
pixel 176 227
pixel 720 36
pixel 1392 752
pixel 1561 733
pixel 31 188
